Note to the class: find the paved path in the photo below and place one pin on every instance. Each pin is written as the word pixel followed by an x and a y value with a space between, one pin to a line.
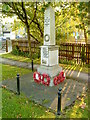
pixel 47 96
pixel 2 52
pixel 17 63
pixel 77 75
pixel 83 77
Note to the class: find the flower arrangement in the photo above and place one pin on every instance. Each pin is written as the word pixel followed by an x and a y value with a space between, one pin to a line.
pixel 48 79
pixel 59 78
pixel 45 79
pixel 37 77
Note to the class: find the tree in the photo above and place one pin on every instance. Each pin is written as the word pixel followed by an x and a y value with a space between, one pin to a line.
pixel 65 23
pixel 24 11
pixel 71 16
pixel 17 25
pixel 68 17
pixel 82 14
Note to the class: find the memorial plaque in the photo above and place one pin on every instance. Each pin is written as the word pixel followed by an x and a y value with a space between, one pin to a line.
pixel 47 21
pixel 45 52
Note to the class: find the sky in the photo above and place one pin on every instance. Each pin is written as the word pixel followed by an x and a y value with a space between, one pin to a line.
pixel 8 20
pixel 5 20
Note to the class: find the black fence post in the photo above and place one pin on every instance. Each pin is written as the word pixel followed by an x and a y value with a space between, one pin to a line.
pixel 39 53
pixel 32 64
pixel 6 45
pixel 59 54
pixel 59 102
pixel 18 85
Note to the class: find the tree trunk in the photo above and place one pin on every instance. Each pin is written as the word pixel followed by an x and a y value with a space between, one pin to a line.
pixel 29 41
pixel 85 34
pixel 28 29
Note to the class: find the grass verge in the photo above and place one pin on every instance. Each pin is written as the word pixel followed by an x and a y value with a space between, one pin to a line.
pixel 9 72
pixel 78 110
pixel 19 58
pixel 15 106
pixel 77 67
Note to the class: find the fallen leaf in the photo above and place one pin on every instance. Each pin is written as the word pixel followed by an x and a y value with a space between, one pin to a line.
pixel 68 98
pixel 79 97
pixel 83 95
pixel 20 115
pixel 83 105
pixel 3 86
pixel 26 102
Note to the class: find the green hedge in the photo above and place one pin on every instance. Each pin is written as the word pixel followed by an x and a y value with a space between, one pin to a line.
pixel 17 52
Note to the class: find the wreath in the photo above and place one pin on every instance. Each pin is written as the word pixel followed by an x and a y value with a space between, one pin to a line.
pixel 39 77
pixel 46 36
pixel 48 79
pixel 55 81
pixel 59 78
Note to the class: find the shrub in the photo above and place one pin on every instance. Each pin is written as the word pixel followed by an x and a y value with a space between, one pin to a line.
pixel 16 51
pixel 70 62
pixel 36 54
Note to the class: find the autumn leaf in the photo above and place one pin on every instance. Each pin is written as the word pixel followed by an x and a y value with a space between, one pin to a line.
pixel 3 86
pixel 83 105
pixel 26 102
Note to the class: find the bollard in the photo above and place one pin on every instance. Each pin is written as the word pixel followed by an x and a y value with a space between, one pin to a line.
pixel 6 45
pixel 18 85
pixel 59 102
pixel 32 64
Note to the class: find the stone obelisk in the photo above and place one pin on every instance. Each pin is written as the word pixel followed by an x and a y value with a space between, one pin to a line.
pixel 49 51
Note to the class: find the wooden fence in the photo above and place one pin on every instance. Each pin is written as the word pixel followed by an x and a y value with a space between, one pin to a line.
pixel 67 51
pixel 72 51
pixel 3 46
pixel 24 46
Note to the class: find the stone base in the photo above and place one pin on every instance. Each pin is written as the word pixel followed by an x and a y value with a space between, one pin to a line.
pixel 51 71
pixel 49 55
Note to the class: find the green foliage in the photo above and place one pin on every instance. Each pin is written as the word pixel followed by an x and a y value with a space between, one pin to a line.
pixel 83 17
pixel 17 25
pixel 68 16
pixel 5 8
pixel 36 54
pixel 17 52
pixel 70 62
